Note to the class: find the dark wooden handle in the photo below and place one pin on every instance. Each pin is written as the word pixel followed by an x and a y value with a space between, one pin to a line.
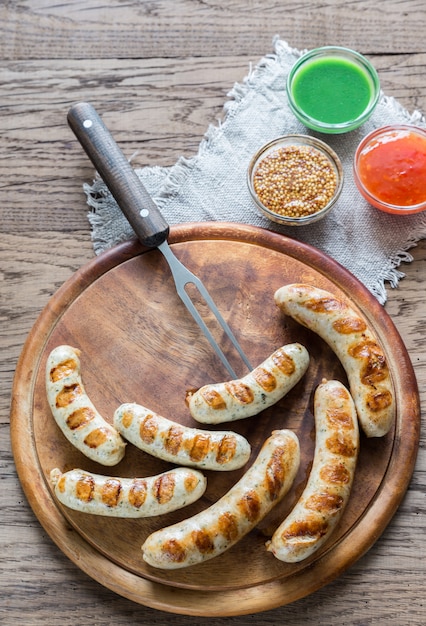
pixel 119 176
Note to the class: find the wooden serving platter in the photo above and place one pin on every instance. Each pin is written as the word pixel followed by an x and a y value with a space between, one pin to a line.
pixel 139 344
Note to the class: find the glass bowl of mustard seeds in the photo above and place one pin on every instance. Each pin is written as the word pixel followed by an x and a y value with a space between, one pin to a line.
pixel 295 180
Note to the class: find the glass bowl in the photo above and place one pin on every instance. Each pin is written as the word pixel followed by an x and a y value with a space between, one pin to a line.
pixel 295 179
pixel 333 89
pixel 390 169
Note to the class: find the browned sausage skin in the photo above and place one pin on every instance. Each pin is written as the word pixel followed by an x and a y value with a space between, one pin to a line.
pixel 170 441
pixel 321 505
pixel 217 528
pixel 128 497
pixel 354 343
pixel 74 412
pixel 265 385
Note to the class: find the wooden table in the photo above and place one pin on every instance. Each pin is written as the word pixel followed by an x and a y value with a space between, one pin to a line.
pixel 160 72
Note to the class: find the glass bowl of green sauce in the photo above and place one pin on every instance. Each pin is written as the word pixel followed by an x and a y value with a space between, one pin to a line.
pixel 333 89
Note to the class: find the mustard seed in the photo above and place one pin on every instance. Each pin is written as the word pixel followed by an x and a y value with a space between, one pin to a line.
pixel 295 181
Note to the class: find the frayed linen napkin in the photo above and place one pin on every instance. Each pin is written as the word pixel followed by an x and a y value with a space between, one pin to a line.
pixel 212 184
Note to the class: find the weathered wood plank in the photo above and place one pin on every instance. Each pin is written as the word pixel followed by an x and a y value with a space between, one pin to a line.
pixel 159 71
pixel 46 29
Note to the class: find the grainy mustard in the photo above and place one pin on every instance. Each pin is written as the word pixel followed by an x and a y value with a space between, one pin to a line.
pixel 295 181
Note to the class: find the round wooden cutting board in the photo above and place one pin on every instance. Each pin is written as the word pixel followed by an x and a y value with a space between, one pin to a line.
pixel 139 344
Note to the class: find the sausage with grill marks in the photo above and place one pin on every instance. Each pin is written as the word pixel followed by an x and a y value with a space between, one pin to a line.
pixel 215 529
pixel 259 389
pixel 74 412
pixel 354 343
pixel 170 441
pixel 128 497
pixel 321 505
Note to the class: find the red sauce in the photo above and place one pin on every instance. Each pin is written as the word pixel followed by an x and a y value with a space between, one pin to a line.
pixel 392 167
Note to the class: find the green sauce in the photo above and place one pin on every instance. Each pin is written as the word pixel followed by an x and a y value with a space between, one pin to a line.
pixel 332 90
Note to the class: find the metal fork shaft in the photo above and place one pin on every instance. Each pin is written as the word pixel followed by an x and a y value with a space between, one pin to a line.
pixel 182 277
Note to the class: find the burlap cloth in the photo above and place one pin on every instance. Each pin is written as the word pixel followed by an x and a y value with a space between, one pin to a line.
pixel 212 184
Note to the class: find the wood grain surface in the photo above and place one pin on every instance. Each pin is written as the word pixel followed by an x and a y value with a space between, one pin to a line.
pixel 161 72
pixel 156 364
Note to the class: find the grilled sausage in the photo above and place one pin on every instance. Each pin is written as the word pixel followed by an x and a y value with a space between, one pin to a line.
pixel 259 389
pixel 354 344
pixel 128 497
pixel 75 414
pixel 167 440
pixel 321 505
pixel 212 531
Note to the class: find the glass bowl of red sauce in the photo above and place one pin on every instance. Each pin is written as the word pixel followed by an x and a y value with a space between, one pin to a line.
pixel 390 169
pixel 295 179
pixel 333 89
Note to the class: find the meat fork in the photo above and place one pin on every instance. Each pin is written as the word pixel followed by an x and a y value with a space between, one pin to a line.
pixel 143 214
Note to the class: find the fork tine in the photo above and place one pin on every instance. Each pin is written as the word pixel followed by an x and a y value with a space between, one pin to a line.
pixel 197 317
pixel 213 308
